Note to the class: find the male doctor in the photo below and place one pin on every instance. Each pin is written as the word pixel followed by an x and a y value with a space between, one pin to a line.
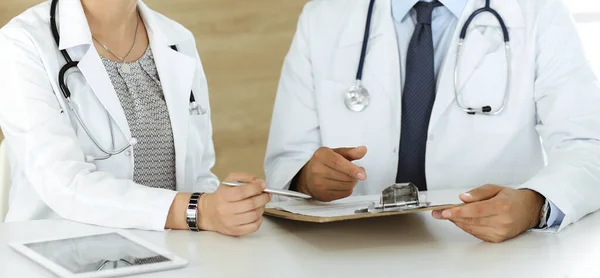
pixel 414 128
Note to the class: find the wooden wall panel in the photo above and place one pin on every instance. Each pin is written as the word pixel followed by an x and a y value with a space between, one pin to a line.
pixel 242 45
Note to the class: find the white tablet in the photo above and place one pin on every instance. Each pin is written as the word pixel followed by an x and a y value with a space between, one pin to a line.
pixel 99 255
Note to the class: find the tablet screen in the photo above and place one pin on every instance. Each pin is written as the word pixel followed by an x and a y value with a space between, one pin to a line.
pixel 96 253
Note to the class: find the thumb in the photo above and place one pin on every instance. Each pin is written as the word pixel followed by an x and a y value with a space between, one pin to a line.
pixel 241 177
pixel 485 192
pixel 352 153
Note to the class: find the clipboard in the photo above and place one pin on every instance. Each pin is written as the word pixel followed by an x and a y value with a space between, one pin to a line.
pixel 397 199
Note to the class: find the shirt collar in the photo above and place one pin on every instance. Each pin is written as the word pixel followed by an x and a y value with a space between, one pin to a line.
pixel 401 8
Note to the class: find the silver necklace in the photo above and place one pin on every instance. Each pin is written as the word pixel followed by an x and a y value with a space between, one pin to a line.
pixel 124 66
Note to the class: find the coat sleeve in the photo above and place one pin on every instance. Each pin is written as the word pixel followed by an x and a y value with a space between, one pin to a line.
pixel 294 133
pixel 47 153
pixel 567 96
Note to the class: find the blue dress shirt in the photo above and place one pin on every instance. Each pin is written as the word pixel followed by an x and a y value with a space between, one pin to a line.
pixel 444 21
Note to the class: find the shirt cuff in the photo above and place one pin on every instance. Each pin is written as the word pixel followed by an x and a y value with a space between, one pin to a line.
pixel 556 216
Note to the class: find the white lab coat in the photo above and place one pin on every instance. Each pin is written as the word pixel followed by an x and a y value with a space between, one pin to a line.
pixel 47 146
pixel 554 96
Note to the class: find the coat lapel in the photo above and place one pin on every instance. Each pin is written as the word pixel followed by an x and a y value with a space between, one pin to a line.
pixel 75 31
pixel 382 62
pixel 353 33
pixel 176 71
pixel 475 48
pixel 93 70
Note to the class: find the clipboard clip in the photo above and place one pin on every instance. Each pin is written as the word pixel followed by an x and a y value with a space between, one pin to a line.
pixel 398 197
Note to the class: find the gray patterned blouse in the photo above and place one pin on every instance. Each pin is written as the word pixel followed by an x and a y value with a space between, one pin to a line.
pixel 141 96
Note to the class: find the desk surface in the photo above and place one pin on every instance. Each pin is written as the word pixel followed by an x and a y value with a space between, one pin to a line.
pixel 413 244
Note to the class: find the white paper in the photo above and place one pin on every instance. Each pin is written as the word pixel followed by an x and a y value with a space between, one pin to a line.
pixel 348 206
pixel 341 207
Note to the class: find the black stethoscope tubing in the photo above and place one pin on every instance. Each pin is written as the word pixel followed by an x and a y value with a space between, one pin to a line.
pixel 489 9
pixel 70 63
pixel 365 44
pixel 463 34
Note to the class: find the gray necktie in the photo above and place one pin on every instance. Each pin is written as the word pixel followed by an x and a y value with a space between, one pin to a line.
pixel 417 99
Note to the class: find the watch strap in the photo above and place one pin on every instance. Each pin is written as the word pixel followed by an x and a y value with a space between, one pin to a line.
pixel 544 215
pixel 191 213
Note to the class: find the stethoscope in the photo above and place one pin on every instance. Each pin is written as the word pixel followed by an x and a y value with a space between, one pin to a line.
pixel 357 98
pixel 194 108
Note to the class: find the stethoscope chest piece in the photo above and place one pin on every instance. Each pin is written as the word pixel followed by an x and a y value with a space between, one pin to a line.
pixel 357 98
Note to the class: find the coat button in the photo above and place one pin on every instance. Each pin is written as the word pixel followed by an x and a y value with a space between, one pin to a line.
pixel 127 153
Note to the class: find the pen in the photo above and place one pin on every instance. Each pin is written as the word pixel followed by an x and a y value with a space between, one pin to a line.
pixel 280 192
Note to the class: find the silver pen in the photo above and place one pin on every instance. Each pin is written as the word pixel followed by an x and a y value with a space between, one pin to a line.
pixel 280 192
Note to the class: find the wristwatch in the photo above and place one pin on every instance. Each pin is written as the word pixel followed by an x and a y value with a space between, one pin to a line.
pixel 191 213
pixel 544 215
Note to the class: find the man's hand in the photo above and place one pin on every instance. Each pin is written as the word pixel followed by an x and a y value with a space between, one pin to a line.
pixel 330 174
pixel 494 213
pixel 234 211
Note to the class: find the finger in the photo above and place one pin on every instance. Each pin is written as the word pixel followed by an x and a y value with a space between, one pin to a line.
pixel 248 228
pixel 332 195
pixel 334 185
pixel 250 204
pixel 246 217
pixel 479 232
pixel 352 153
pixel 333 174
pixel 437 214
pixel 341 164
pixel 481 209
pixel 481 193
pixel 242 177
pixel 327 190
pixel 480 222
pixel 331 180
pixel 345 183
pixel 488 234
pixel 235 194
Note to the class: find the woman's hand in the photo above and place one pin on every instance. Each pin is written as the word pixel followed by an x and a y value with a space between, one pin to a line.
pixel 234 211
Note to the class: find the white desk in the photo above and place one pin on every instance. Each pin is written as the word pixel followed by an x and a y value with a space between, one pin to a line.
pixel 387 247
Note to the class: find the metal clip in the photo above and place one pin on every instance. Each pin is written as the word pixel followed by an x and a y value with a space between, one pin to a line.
pixel 398 197
pixel 196 109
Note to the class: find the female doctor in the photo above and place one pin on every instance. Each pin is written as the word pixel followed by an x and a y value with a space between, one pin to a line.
pixel 105 109
pixel 443 94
